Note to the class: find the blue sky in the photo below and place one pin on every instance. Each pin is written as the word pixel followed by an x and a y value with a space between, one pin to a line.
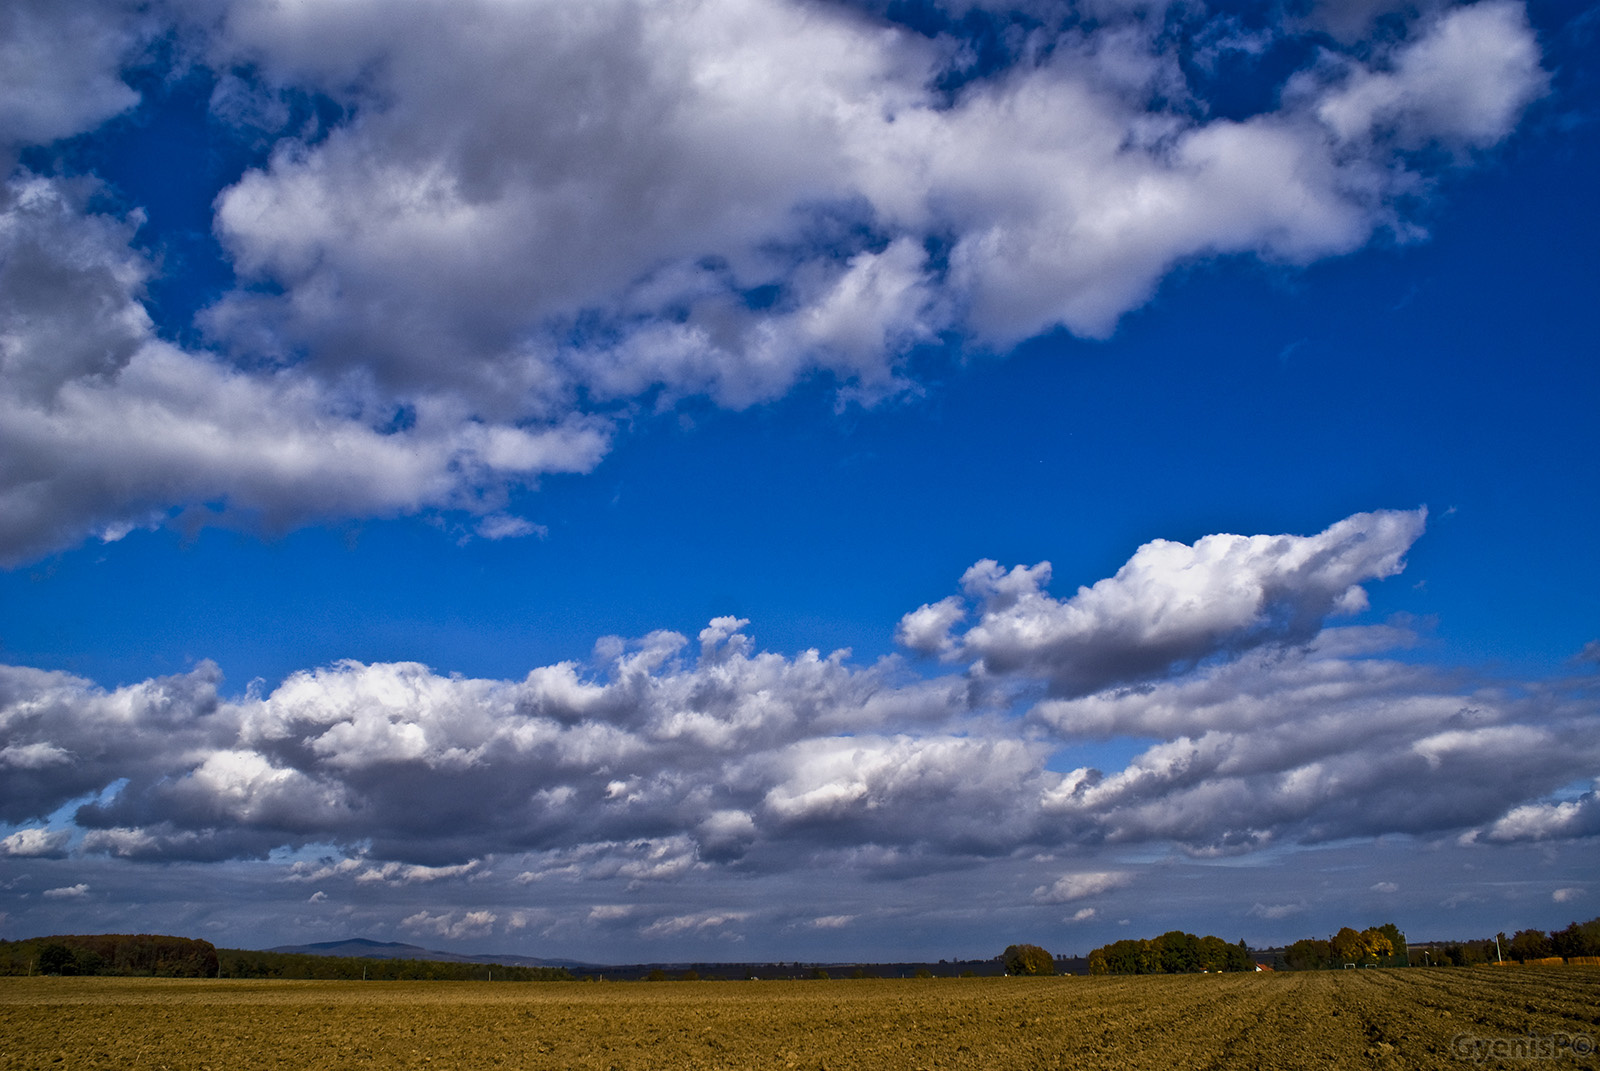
pixel 392 395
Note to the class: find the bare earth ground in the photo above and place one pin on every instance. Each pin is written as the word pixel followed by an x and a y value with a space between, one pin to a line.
pixel 1336 1019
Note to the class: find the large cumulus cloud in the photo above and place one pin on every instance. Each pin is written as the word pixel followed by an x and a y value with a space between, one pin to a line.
pixel 60 68
pixel 514 222
pixel 1321 743
pixel 104 426
pixel 1170 606
pixel 666 759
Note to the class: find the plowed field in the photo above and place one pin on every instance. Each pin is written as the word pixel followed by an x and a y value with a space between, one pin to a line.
pixel 1527 1017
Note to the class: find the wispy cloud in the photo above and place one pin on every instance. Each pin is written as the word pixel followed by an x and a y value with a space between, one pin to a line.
pixel 451 924
pixel 1071 887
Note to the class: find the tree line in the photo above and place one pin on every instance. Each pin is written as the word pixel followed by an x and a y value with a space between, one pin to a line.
pixel 1578 940
pixel 160 956
pixel 151 955
pixel 1174 952
pixel 239 963
pixel 1376 946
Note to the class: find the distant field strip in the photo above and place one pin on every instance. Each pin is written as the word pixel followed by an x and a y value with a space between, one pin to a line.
pixel 1416 1018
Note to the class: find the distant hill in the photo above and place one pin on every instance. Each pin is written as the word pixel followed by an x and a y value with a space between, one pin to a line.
pixel 361 948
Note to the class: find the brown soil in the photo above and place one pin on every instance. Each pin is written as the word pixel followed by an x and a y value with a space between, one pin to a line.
pixel 1335 1019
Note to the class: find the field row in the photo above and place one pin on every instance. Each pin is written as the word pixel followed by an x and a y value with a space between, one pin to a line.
pixel 1336 1019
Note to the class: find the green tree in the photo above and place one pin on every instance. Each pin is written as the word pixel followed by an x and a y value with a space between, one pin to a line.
pixel 1308 954
pixel 1397 943
pixel 1529 944
pixel 1576 940
pixel 1213 954
pixel 1028 959
pixel 57 958
pixel 1177 952
pixel 1130 955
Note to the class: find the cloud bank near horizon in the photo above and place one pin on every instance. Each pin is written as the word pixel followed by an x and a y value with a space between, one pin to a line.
pixel 667 765
pixel 480 234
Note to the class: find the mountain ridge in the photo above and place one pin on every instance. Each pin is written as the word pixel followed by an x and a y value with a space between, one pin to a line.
pixel 365 948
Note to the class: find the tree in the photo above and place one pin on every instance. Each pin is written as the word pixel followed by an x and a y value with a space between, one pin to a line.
pixel 1308 954
pixel 1347 945
pixel 1376 945
pixel 1529 944
pixel 1576 940
pixel 1130 955
pixel 1177 952
pixel 57 958
pixel 1028 959
pixel 1397 943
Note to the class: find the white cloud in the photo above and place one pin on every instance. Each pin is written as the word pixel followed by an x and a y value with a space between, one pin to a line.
pixel 411 874
pixel 105 427
pixel 1306 746
pixel 532 217
pixel 831 922
pixel 446 924
pixel 1277 911
pixel 68 892
pixel 321 871
pixel 504 526
pixel 1465 79
pixel 1385 887
pixel 60 68
pixel 1545 821
pixel 41 841
pixel 129 843
pixel 1071 887
pixel 1566 896
pixel 1170 605
pixel 33 756
pixel 665 761
pixel 719 923
pixel 926 629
